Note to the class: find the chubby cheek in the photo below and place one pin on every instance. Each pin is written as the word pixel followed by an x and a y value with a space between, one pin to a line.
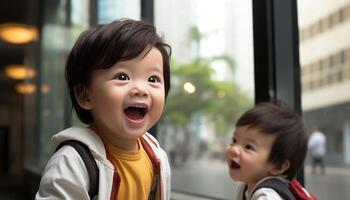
pixel 108 104
pixel 158 103
pixel 157 111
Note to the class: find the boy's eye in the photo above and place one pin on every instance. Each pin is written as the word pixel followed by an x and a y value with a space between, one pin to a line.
pixel 153 79
pixel 234 141
pixel 122 77
pixel 249 147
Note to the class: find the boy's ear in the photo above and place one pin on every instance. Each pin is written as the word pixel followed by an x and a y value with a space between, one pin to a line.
pixel 280 169
pixel 83 99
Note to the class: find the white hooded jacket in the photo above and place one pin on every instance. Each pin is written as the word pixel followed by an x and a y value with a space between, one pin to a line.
pixel 66 176
pixel 260 194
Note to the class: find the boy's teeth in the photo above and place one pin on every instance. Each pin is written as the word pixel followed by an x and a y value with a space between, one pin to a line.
pixel 138 106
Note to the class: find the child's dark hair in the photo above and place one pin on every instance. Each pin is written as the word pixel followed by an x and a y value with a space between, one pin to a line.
pixel 291 139
pixel 104 45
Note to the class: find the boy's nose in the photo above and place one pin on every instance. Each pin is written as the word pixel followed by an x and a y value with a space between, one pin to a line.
pixel 139 90
pixel 236 150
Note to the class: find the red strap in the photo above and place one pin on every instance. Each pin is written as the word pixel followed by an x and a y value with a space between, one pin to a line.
pixel 299 191
pixel 151 139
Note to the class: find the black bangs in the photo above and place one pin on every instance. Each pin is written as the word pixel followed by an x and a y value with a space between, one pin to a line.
pixel 103 46
pixel 124 42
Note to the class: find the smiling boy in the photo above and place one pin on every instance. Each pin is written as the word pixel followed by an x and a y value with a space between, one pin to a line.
pixel 269 142
pixel 118 76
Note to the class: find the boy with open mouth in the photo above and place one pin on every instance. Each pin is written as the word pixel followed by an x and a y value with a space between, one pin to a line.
pixel 269 142
pixel 118 76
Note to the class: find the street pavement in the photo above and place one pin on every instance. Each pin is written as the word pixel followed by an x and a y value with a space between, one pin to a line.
pixel 205 180
pixel 208 179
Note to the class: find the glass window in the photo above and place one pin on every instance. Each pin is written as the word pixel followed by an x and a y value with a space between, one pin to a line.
pixel 59 31
pixel 52 78
pixel 343 56
pixel 212 84
pixel 320 26
pixel 341 14
pixel 327 107
pixel 63 21
pixel 330 21
pixel 109 10
pixel 320 64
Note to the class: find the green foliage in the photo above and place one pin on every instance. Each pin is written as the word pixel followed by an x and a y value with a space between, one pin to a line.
pixel 195 34
pixel 220 101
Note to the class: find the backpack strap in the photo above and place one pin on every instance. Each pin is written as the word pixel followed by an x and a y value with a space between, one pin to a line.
pixel 299 191
pixel 89 162
pixel 279 186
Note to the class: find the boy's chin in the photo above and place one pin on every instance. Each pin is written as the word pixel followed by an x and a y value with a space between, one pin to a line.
pixel 235 176
pixel 136 135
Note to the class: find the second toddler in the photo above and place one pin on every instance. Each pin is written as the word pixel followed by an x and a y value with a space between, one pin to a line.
pixel 269 142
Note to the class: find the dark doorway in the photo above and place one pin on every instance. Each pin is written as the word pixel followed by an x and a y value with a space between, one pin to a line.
pixel 4 149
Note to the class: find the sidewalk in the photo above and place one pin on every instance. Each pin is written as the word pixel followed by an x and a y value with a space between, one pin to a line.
pixel 209 178
pixel 332 171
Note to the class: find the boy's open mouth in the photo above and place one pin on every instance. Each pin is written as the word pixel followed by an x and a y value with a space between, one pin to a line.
pixel 235 165
pixel 136 112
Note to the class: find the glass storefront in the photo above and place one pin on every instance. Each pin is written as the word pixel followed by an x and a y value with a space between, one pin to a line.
pixel 212 84
pixel 47 109
pixel 109 10
pixel 325 79
pixel 63 22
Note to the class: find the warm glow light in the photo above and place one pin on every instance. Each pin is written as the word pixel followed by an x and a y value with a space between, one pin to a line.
pixel 221 94
pixel 27 88
pixel 189 87
pixel 19 72
pixel 45 88
pixel 17 33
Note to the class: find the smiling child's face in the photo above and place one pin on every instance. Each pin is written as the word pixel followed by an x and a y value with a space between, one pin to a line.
pixel 127 99
pixel 247 155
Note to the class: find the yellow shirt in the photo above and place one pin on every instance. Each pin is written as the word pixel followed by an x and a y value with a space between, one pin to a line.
pixel 135 170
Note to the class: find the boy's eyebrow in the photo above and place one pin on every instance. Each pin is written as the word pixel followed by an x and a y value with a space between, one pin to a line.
pixel 157 69
pixel 247 139
pixel 124 64
pixel 121 64
pixel 252 141
pixel 234 133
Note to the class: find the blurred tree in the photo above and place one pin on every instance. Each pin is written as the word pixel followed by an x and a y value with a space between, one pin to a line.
pixel 219 102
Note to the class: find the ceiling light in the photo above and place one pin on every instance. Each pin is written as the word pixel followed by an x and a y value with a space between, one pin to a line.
pixel 25 88
pixel 45 88
pixel 17 33
pixel 19 72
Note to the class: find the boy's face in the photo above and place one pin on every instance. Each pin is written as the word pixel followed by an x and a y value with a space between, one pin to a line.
pixel 247 155
pixel 127 99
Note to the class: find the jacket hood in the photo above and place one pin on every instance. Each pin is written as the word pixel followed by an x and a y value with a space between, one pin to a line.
pixel 84 135
pixel 93 141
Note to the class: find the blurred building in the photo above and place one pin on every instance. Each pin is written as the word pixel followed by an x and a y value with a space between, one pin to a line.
pixel 325 64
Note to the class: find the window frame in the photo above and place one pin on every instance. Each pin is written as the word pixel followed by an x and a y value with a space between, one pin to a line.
pixel 276 54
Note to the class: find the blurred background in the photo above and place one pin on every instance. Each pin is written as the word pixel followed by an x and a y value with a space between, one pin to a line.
pixel 227 56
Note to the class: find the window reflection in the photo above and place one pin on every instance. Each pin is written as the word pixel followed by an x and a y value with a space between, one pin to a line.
pixel 59 31
pixel 109 10
pixel 324 58
pixel 212 84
